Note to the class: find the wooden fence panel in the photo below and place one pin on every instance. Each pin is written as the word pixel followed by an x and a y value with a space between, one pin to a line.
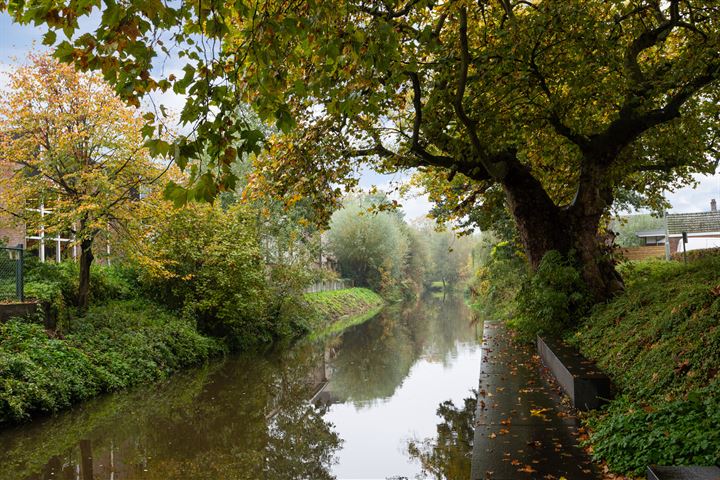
pixel 641 253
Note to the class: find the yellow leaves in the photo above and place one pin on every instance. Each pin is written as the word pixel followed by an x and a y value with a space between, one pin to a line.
pixel 73 144
pixel 539 412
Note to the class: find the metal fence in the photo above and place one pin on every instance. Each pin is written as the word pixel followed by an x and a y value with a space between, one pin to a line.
pixel 11 274
pixel 329 285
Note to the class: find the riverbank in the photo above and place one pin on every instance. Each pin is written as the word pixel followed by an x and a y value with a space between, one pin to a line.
pixel 660 343
pixel 124 343
pixel 337 310
pixel 114 346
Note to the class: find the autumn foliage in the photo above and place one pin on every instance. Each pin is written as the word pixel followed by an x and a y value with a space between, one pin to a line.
pixel 70 143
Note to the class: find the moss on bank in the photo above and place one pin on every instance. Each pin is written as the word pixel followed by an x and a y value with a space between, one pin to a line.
pixel 660 343
pixel 336 310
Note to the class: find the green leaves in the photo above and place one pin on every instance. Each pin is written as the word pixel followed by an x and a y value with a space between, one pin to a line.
pixel 158 147
pixel 180 86
pixel 284 119
pixel 204 189
pixel 176 193
pixel 49 38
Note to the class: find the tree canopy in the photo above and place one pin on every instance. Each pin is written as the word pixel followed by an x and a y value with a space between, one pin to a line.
pixel 553 108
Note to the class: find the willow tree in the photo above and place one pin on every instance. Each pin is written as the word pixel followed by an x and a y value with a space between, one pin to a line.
pixel 551 108
pixel 66 140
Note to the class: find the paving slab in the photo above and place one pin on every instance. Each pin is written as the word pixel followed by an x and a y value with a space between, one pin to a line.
pixel 522 430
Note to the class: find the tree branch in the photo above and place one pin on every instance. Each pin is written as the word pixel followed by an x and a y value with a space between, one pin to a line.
pixel 630 126
pixel 495 170
pixel 554 118
pixel 389 13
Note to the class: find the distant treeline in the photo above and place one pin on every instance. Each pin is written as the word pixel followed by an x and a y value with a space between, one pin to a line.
pixel 380 250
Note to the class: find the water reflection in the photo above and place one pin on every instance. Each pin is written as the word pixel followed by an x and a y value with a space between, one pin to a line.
pixel 328 409
pixel 448 455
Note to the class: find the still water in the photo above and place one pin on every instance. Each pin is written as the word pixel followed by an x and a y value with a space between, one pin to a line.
pixel 391 398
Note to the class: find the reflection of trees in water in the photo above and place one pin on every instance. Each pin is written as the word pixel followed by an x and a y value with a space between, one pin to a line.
pixel 371 361
pixel 248 419
pixel 374 358
pixel 448 456
pixel 453 325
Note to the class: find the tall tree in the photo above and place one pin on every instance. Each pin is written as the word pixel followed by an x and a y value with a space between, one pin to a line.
pixel 71 144
pixel 555 105
pixel 371 249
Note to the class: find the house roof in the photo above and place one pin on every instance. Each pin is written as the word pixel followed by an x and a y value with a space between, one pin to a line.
pixel 703 222
pixel 658 232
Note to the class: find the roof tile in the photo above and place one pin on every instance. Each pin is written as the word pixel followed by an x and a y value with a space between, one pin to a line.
pixel 702 222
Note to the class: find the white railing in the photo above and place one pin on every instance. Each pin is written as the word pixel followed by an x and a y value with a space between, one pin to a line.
pixel 329 285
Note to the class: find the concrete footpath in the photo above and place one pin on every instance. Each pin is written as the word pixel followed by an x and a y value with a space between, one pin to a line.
pixel 522 431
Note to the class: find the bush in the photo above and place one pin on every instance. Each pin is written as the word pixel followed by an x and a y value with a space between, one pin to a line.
pixel 552 298
pixel 56 285
pixel 115 346
pixel 205 263
pixel 286 305
pixel 498 281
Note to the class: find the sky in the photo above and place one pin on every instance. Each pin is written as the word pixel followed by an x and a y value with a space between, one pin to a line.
pixel 16 41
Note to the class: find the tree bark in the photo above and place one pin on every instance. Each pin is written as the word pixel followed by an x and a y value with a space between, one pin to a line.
pixel 539 221
pixel 86 259
pixel 543 226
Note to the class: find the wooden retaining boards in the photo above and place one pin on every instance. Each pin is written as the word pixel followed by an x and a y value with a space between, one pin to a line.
pixel 683 473
pixel 586 386
pixel 17 309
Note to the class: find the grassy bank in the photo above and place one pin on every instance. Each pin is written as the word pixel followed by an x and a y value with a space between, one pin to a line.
pixel 660 343
pixel 336 310
pixel 122 343
pixel 117 345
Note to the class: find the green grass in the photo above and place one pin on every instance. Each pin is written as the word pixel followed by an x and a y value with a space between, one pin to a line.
pixel 117 345
pixel 660 343
pixel 336 310
pixel 347 322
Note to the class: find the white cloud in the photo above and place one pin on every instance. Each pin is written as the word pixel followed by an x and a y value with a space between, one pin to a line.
pixel 697 199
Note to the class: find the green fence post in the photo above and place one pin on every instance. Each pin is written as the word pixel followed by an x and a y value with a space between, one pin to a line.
pixel 19 283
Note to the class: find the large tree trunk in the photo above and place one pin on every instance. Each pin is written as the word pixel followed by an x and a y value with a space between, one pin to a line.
pixel 543 226
pixel 86 259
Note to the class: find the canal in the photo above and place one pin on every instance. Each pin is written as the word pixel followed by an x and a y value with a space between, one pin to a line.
pixel 389 399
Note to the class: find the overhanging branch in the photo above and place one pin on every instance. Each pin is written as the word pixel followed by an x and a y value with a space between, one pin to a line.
pixel 494 169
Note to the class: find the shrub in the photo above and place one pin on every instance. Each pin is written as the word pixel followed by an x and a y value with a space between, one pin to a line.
pixel 552 298
pixel 38 373
pixel 286 305
pixel 115 346
pixel 206 263
pixel 632 435
pixel 498 281
pixel 56 284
